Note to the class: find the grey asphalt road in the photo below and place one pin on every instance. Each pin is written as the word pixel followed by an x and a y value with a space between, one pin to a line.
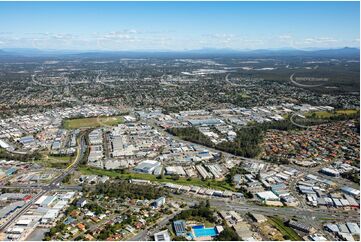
pixel 146 233
pixel 54 184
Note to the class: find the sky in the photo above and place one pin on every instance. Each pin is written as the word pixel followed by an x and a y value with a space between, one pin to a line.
pixel 178 25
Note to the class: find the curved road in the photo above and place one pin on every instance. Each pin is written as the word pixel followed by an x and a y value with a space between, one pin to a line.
pixel 302 85
pixel 294 123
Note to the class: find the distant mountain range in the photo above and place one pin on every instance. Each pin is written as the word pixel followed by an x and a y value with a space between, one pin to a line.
pixel 206 52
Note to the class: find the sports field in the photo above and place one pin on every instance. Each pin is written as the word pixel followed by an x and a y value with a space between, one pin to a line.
pixel 325 114
pixel 92 122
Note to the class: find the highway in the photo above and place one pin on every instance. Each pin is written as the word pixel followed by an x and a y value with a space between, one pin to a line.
pixel 288 211
pixel 243 206
pixel 296 124
pixel 313 216
pixel 53 185
pixel 302 85
pixel 41 187
pixel 228 81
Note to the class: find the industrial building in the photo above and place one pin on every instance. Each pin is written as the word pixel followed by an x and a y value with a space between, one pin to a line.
pixel 205 122
pixel 351 191
pixel 202 171
pixel 7 210
pixel 267 195
pixel 147 166
pixel 162 236
pixel 301 226
pixel 96 137
pixel 330 172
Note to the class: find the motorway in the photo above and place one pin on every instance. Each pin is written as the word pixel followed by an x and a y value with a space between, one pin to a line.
pixel 296 124
pixel 53 185
pixel 302 85
pixel 243 205
pixel 41 187
pixel 313 216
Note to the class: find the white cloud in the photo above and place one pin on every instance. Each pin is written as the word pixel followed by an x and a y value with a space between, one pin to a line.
pixel 132 39
pixel 320 40
pixel 225 40
pixel 286 39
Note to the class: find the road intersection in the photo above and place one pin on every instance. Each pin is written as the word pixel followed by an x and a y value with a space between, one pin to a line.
pixel 53 185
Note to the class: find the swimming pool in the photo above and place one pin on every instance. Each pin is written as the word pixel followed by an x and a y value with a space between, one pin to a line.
pixel 198 227
pixel 205 232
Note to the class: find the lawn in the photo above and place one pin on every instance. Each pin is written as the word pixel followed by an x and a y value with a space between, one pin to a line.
pixel 92 122
pixel 219 185
pixel 326 114
pixel 286 231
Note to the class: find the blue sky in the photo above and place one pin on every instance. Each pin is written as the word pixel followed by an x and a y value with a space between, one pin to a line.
pixel 178 25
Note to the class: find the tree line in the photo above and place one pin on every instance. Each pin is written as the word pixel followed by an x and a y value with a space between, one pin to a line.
pixel 202 210
pixel 245 144
pixel 20 157
pixel 123 189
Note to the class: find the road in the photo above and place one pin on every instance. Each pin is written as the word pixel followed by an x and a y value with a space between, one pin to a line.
pixel 288 211
pixel 95 226
pixel 42 84
pixel 314 216
pixel 244 206
pixel 53 185
pixel 143 234
pixel 98 80
pixel 296 124
pixel 228 81
pixel 41 187
pixel 302 85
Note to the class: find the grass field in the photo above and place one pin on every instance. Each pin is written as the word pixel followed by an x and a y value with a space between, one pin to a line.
pixel 286 231
pixel 219 185
pixel 55 161
pixel 325 114
pixel 243 95
pixel 92 122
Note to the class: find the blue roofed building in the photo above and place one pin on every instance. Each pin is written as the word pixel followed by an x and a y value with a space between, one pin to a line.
pixel 205 156
pixel 205 122
pixel 10 171
pixel 69 220
pixel 179 227
pixel 350 191
pixel 56 145
pixel 280 189
pixel 26 140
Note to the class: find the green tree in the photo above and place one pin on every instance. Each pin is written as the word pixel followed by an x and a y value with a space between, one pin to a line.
pixel 228 234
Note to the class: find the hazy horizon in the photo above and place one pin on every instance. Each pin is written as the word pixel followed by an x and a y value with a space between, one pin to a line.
pixel 178 26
